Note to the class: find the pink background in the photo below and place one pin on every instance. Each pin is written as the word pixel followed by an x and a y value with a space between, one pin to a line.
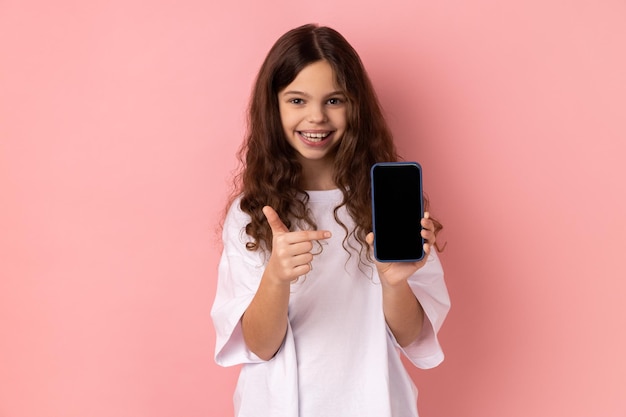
pixel 119 121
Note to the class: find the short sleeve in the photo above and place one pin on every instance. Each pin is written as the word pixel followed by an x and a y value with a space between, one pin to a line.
pixel 429 288
pixel 239 275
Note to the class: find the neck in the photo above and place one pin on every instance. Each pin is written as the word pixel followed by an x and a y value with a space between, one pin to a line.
pixel 318 175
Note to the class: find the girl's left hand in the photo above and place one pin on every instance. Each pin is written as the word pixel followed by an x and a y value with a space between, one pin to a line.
pixel 395 273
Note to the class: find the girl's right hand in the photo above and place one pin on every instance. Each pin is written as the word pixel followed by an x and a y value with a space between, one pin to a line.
pixel 291 251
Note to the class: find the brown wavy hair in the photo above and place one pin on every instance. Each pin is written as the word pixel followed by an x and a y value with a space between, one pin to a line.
pixel 270 172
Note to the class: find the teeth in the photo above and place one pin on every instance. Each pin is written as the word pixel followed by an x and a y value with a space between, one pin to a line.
pixel 315 136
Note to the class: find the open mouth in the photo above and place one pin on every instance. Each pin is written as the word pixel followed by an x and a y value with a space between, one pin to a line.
pixel 314 137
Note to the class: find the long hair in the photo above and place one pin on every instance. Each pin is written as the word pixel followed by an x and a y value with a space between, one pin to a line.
pixel 270 172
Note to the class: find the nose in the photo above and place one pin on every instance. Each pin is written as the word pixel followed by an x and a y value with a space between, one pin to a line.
pixel 317 114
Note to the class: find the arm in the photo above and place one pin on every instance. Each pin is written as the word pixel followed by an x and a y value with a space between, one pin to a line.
pixel 403 312
pixel 264 323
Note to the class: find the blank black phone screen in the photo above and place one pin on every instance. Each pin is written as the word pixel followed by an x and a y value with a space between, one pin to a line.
pixel 397 209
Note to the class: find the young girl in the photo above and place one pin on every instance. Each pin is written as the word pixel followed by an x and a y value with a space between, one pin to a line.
pixel 317 323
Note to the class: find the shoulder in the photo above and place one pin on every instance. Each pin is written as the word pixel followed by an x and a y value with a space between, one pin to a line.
pixel 234 213
pixel 235 240
pixel 235 219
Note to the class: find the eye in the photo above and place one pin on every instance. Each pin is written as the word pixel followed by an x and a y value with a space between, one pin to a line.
pixel 335 101
pixel 296 101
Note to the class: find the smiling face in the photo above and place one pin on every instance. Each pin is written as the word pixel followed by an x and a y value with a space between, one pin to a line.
pixel 313 114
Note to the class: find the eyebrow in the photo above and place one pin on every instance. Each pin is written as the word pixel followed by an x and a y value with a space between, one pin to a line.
pixel 302 93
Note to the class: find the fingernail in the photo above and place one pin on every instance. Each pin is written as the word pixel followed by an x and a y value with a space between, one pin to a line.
pixel 326 234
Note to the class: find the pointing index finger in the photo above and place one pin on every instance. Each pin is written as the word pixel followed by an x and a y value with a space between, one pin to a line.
pixel 278 226
pixel 309 235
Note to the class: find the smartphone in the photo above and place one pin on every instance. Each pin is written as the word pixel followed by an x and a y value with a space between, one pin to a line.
pixel 397 210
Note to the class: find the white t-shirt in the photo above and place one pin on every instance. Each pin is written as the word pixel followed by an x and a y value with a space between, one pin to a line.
pixel 339 358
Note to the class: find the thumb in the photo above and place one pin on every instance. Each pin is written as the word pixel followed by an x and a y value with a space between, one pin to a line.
pixel 274 221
